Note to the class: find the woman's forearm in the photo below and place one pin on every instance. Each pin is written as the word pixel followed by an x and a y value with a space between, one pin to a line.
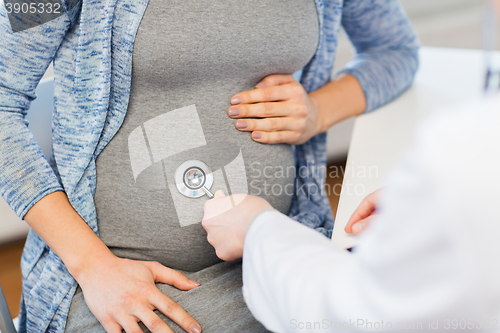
pixel 338 100
pixel 55 220
pixel 119 292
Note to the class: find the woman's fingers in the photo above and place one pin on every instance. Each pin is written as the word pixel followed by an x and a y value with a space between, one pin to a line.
pixel 157 300
pixel 111 326
pixel 261 110
pixel 275 137
pixel 275 80
pixel 130 325
pixel 175 312
pixel 270 124
pixel 153 322
pixel 266 94
pixel 171 277
pixel 273 130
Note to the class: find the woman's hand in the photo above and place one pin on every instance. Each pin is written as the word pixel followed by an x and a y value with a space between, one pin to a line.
pixel 122 292
pixel 227 226
pixel 119 292
pixel 363 215
pixel 285 112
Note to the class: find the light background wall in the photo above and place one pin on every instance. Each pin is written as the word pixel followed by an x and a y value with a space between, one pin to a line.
pixel 439 23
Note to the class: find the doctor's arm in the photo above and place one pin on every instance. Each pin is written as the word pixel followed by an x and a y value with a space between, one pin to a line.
pixel 405 268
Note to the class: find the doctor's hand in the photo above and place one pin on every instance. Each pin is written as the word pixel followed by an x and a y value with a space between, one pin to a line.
pixel 227 226
pixel 363 215
pixel 284 111
pixel 122 292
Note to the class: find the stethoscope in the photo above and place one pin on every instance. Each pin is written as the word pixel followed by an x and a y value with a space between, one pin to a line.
pixel 194 179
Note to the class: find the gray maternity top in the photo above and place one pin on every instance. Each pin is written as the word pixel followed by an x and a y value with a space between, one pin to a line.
pixel 190 58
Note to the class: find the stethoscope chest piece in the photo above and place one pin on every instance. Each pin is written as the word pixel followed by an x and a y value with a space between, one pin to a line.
pixel 194 179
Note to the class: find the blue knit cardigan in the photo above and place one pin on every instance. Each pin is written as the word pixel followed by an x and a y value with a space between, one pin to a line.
pixel 91 45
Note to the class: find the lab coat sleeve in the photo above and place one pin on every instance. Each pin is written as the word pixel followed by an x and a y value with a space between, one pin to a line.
pixel 25 174
pixel 285 270
pixel 386 48
pixel 413 263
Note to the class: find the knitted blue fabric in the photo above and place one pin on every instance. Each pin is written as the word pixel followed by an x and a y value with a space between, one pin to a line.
pixel 92 88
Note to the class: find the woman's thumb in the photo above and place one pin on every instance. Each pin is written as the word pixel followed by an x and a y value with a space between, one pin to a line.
pixel 171 277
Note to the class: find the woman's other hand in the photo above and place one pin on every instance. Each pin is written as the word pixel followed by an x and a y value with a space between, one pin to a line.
pixel 227 226
pixel 122 292
pixel 119 292
pixel 363 215
pixel 285 112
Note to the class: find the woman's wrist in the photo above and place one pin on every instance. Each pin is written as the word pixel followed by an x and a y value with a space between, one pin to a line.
pixel 320 119
pixel 55 220
pixel 337 100
pixel 82 265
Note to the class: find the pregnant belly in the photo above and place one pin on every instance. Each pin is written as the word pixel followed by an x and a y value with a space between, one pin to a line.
pixel 141 212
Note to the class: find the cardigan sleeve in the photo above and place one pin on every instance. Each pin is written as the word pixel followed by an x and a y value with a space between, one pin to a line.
pixel 386 48
pixel 28 44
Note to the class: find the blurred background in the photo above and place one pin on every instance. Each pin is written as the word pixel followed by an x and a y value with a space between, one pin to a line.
pixel 443 23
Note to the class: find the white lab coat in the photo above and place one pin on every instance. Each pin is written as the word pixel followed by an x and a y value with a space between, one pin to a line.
pixel 432 256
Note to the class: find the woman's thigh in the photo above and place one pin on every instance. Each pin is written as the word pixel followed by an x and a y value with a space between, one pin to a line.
pixel 217 304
